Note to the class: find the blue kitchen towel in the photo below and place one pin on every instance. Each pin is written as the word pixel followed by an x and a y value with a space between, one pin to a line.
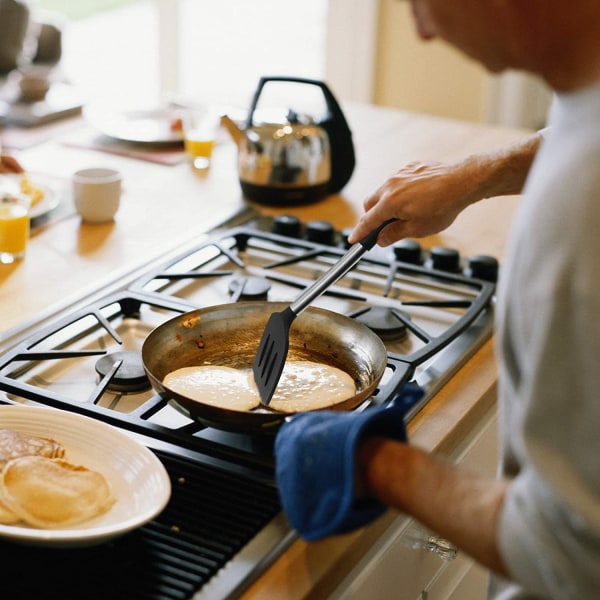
pixel 315 464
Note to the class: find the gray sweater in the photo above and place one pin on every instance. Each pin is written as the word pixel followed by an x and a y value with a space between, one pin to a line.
pixel 548 345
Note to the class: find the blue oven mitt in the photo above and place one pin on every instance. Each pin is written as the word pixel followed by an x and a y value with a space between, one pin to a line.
pixel 315 464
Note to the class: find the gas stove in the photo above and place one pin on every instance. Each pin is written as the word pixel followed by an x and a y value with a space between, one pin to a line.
pixel 432 309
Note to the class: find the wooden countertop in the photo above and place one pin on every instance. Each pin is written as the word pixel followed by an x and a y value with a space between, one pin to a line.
pixel 165 206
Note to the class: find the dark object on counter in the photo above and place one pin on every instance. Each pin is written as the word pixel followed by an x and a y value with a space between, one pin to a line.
pixel 25 40
pixel 273 348
pixel 298 161
pixel 14 24
pixel 49 44
pixel 315 462
pixel 229 336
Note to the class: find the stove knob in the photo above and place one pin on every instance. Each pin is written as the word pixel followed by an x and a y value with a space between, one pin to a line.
pixel 445 259
pixel 344 234
pixel 408 251
pixel 321 232
pixel 482 267
pixel 288 225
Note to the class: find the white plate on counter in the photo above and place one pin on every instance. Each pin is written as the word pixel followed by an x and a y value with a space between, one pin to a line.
pixel 153 126
pixel 11 184
pixel 138 480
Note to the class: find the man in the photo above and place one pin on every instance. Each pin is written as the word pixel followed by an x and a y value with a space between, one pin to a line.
pixel 538 526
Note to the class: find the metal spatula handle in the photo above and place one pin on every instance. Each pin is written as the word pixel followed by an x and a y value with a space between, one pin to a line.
pixel 338 270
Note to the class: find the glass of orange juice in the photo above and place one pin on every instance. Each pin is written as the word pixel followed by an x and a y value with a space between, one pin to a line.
pixel 200 127
pixel 14 227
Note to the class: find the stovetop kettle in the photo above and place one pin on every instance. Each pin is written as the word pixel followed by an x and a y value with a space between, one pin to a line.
pixel 297 161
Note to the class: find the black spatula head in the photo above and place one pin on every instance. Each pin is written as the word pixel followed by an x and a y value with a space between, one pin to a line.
pixel 272 353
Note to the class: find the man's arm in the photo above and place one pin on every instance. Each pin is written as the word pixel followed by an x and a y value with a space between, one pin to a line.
pixel 457 504
pixel 426 197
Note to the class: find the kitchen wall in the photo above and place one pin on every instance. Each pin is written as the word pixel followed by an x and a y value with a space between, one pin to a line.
pixel 433 77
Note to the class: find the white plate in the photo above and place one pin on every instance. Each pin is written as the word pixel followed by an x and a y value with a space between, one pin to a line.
pixel 141 126
pixel 11 183
pixel 138 479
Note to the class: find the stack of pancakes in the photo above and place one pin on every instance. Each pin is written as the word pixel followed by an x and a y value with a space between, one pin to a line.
pixel 39 487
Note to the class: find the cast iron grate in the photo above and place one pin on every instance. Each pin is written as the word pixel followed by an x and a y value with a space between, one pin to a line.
pixel 212 514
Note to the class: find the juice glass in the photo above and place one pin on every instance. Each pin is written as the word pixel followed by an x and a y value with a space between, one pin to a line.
pixel 14 228
pixel 200 129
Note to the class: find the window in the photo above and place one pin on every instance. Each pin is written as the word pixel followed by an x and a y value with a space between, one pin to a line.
pixel 135 52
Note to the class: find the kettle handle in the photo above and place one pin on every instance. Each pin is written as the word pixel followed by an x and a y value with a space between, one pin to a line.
pixel 343 159
pixel 332 105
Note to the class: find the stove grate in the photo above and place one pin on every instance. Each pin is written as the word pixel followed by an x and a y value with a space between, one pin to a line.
pixel 211 516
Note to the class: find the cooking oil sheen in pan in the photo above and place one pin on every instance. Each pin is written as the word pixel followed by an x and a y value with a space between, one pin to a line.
pixel 303 386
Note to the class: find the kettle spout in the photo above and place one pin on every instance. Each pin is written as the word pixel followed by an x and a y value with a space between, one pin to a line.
pixel 236 133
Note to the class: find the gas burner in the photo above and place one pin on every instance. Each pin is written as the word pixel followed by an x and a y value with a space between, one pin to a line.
pixel 130 375
pixel 388 323
pixel 249 288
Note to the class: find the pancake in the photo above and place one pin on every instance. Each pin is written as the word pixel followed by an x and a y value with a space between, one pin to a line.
pixel 223 387
pixel 7 516
pixel 53 493
pixel 304 385
pixel 14 444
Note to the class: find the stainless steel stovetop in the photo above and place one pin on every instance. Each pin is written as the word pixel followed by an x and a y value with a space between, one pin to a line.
pixel 432 309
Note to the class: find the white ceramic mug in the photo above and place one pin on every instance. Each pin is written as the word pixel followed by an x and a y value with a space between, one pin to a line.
pixel 97 193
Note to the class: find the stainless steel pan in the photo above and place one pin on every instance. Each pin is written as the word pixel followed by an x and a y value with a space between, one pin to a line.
pixel 229 334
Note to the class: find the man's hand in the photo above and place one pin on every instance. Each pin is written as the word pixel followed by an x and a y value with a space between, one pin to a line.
pixel 425 197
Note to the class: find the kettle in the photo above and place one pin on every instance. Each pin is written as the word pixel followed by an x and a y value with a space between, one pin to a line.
pixel 298 161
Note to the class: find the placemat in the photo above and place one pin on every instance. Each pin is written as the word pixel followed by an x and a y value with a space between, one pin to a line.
pixel 90 139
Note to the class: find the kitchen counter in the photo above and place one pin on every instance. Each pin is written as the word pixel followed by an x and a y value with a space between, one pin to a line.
pixel 163 207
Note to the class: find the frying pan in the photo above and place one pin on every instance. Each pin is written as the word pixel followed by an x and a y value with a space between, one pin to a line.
pixel 229 334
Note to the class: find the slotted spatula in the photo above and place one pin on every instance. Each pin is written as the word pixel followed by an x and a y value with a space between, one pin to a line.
pixel 274 344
